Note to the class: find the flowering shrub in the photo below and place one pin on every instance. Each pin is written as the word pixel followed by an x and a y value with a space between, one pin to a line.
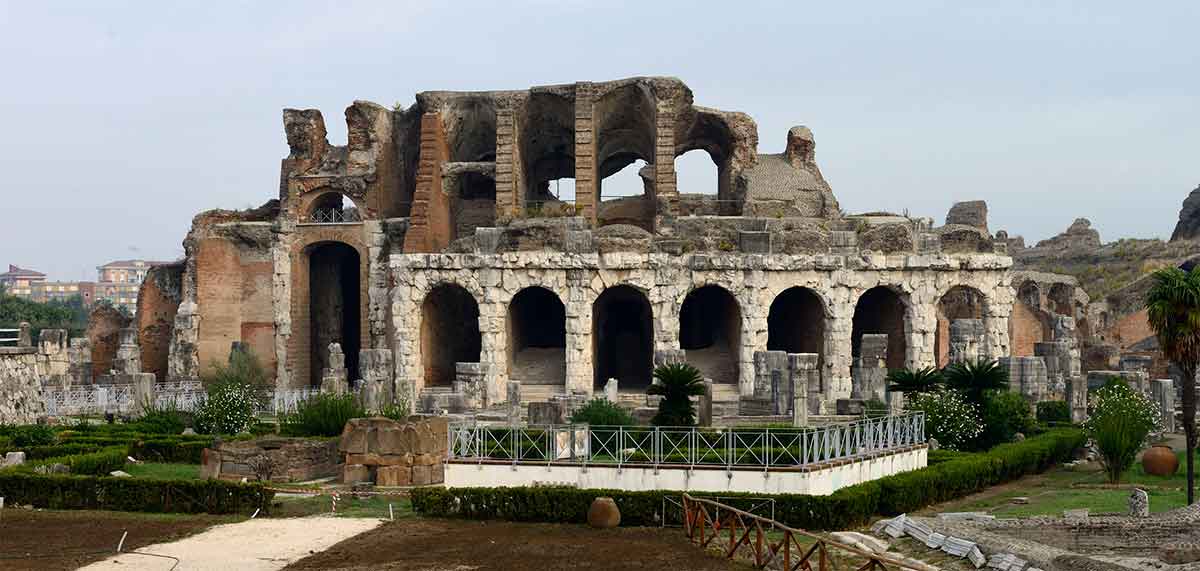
pixel 1120 421
pixel 229 409
pixel 949 418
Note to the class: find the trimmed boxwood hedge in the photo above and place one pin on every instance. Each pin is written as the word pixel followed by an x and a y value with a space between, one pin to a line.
pixel 132 494
pixel 953 477
pixel 99 463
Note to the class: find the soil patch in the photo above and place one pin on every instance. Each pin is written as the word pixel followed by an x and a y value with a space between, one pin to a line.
pixel 70 539
pixel 459 545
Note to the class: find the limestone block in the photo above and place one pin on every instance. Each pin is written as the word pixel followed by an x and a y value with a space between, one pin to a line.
pixel 389 440
pixel 546 414
pixel 392 476
pixel 751 242
pixel 437 473
pixel 422 475
pixel 355 473
pixel 611 390
pixel 1139 503
pixel 13 459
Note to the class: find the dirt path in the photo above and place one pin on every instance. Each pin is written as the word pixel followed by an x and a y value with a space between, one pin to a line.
pixel 254 545
pixel 419 544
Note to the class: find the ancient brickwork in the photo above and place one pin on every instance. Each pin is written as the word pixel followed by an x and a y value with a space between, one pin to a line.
pixel 431 228
pixel 158 303
pixel 104 326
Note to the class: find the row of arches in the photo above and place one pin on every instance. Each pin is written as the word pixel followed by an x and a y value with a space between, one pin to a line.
pixel 710 331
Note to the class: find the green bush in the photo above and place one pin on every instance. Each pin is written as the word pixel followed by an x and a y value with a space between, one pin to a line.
pixel 168 419
pixel 1119 421
pixel 398 412
pixel 601 412
pixel 1053 411
pixel 949 418
pixel 676 383
pixel 229 409
pixel 98 463
pixel 1005 413
pixel 324 414
pixel 169 450
pixel 132 494
pixel 28 435
pixel 954 476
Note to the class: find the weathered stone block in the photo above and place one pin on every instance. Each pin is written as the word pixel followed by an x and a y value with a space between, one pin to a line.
pixel 754 242
pixel 422 475
pixel 393 476
pixel 355 473
pixel 210 464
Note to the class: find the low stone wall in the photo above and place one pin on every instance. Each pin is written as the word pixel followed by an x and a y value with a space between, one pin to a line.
pixel 295 459
pixel 391 453
pixel 21 399
pixel 1107 534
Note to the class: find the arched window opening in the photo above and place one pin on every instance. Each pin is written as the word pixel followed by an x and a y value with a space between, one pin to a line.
pixel 449 333
pixel 333 208
pixel 622 338
pixel 796 323
pixel 881 310
pixel 699 182
pixel 334 306
pixel 710 332
pixel 960 302
pixel 537 338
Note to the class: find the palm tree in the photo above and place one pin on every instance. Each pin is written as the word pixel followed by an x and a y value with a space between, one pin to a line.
pixel 911 382
pixel 677 383
pixel 976 378
pixel 1173 310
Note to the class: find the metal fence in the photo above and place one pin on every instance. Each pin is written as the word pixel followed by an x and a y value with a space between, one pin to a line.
pixel 96 399
pixel 685 446
pixel 10 336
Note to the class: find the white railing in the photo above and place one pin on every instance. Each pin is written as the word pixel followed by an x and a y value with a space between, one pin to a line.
pixel 286 400
pixel 15 339
pixel 741 448
pixel 333 216
pixel 96 399
pixel 181 395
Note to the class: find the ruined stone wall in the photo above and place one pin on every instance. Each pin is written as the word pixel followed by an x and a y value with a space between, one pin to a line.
pixel 104 325
pixel 1025 329
pixel 234 293
pixel 432 228
pixel 158 303
pixel 20 386
pixel 665 280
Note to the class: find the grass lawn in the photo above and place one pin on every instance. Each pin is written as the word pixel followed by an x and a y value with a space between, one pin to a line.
pixel 1083 486
pixel 155 471
pixel 348 506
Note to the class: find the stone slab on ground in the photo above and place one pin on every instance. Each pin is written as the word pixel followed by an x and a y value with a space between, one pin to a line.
pixel 253 545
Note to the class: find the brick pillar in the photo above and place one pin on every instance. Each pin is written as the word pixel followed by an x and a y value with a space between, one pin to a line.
pixel 509 195
pixel 666 194
pixel 430 224
pixel 586 185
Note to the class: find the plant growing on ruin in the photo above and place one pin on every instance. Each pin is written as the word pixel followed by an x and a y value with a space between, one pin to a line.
pixel 601 412
pixel 1119 422
pixel 264 467
pixel 950 418
pixel 974 379
pixel 676 383
pixel 324 414
pixel 1173 310
pixel 910 382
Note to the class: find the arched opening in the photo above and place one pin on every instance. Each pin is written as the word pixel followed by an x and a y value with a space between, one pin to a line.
pixel 1028 324
pixel 449 333
pixel 471 138
pixel 537 338
pixel 881 310
pixel 796 323
pixel 625 131
pixel 333 306
pixel 698 180
pixel 331 208
pixel 710 332
pixel 547 139
pixel 960 302
pixel 1060 299
pixel 622 338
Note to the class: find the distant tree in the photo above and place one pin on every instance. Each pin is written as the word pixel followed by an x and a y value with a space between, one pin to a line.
pixel 911 382
pixel 677 383
pixel 1173 310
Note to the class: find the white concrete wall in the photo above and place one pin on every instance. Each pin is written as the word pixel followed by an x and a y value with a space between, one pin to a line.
pixel 817 482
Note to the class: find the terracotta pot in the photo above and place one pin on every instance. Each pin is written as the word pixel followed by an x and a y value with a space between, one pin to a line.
pixel 1160 460
pixel 604 513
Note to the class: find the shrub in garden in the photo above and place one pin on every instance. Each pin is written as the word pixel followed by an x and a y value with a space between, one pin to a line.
pixel 323 414
pixel 28 435
pixel 949 417
pixel 676 383
pixel 601 412
pixel 1119 423
pixel 243 368
pixel 976 378
pixel 908 381
pixel 1005 413
pixel 229 409
pixel 1053 411
pixel 168 419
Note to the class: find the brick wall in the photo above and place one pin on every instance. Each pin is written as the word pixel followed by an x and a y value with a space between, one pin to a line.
pixel 1025 327
pixel 233 293
pixel 158 301
pixel 299 348
pixel 585 151
pixel 431 229
pixel 104 325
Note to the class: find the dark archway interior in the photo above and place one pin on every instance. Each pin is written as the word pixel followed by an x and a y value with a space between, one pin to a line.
pixel 547 139
pixel 1060 299
pixel 622 338
pixel 880 310
pixel 796 323
pixel 709 132
pixel 537 337
pixel 334 310
pixel 474 203
pixel 710 331
pixel 449 333
pixel 625 131
pixel 961 302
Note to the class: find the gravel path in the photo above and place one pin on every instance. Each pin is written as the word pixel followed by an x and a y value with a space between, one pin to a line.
pixel 253 545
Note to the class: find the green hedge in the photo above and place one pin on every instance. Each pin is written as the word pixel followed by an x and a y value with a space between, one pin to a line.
pixel 952 477
pixel 169 450
pixel 132 494
pixel 98 463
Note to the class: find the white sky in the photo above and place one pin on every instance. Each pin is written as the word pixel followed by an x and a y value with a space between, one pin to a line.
pixel 123 120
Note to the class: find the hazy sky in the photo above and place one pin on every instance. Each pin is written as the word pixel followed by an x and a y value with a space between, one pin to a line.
pixel 123 120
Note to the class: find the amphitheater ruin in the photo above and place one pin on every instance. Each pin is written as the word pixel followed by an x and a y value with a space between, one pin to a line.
pixel 431 260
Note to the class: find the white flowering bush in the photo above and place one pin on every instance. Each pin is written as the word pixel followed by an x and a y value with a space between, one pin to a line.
pixel 229 409
pixel 949 417
pixel 1119 423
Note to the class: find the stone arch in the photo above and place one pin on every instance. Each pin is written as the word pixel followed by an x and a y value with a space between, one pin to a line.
pixel 1059 299
pixel 883 309
pixel 711 133
pixel 622 337
pixel 449 332
pixel 796 322
pixel 625 133
pixel 547 144
pixel 710 332
pixel 327 205
pixel 958 302
pixel 536 330
pixel 334 305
